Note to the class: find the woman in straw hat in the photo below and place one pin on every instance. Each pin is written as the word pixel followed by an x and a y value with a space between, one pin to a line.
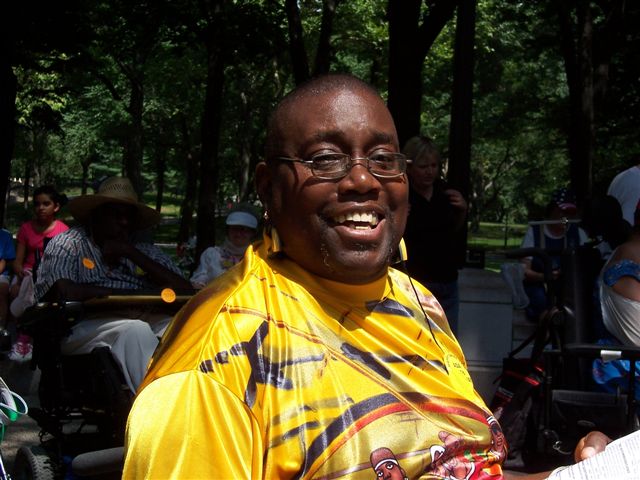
pixel 100 258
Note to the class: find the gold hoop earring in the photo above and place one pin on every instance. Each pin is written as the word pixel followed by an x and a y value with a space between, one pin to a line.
pixel 276 243
pixel 402 251
pixel 401 255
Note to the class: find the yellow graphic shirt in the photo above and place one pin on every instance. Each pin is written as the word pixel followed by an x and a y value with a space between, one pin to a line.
pixel 273 373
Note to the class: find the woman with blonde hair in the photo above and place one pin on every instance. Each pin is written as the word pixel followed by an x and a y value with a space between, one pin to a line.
pixel 434 227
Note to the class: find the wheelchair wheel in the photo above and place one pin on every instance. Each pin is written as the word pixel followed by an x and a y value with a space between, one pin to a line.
pixel 33 462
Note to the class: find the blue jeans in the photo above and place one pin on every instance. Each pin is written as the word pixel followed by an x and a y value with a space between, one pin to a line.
pixel 449 297
pixel 538 300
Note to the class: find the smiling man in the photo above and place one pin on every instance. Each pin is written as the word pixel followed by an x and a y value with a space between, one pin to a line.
pixel 315 359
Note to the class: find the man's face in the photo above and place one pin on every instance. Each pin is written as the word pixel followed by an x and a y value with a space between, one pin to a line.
pixel 389 471
pixel 114 221
pixel 345 229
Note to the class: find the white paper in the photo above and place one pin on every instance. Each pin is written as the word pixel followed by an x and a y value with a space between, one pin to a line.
pixel 619 461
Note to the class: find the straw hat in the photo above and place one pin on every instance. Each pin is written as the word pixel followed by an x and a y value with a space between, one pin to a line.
pixel 113 190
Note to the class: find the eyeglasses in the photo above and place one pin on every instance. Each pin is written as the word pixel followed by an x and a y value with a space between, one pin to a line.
pixel 332 166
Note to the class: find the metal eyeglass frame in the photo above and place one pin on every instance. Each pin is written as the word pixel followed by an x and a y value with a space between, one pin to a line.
pixel 347 163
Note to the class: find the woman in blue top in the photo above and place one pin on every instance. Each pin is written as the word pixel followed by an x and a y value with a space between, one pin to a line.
pixel 620 301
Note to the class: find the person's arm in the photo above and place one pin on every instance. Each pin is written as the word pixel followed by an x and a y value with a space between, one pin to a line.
pixel 459 204
pixel 18 263
pixel 68 290
pixel 200 429
pixel 58 274
pixel 530 274
pixel 156 272
pixel 628 287
pixel 209 268
pixel 588 446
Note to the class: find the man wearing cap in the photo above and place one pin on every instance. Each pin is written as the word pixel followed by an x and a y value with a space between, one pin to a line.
pixel 214 261
pixel 554 236
pixel 100 258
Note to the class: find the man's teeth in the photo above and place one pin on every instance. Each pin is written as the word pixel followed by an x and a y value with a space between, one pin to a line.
pixel 369 220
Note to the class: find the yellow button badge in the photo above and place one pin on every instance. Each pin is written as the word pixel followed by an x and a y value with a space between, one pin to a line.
pixel 168 295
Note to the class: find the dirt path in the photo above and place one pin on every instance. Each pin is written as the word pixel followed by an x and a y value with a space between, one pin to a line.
pixel 24 431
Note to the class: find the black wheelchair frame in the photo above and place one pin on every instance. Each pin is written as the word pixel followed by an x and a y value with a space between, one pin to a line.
pixel 84 401
pixel 568 406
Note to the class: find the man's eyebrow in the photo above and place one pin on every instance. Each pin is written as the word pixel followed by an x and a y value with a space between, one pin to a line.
pixel 384 137
pixel 339 135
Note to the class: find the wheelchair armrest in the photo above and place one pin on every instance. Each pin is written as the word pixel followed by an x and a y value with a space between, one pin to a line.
pixel 541 253
pixel 144 300
pixel 606 352
pixel 135 299
pixel 527 252
pixel 43 310
pixel 99 462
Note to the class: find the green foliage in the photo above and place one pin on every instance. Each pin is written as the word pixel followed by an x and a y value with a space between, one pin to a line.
pixel 75 81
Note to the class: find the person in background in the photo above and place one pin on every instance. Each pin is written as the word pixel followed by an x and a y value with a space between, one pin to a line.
pixel 315 358
pixel 620 303
pixel 7 255
pixel 553 237
pixel 102 257
pixel 31 240
pixel 434 227
pixel 214 261
pixel 603 222
pixel 620 289
pixel 625 187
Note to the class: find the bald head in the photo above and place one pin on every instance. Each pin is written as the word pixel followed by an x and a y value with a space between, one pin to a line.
pixel 315 87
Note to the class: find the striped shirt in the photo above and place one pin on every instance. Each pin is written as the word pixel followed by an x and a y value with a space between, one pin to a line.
pixel 72 255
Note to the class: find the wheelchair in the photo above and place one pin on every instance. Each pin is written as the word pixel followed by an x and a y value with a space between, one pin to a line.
pixel 566 404
pixel 83 399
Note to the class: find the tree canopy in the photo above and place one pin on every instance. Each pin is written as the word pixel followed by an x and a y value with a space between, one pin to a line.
pixel 176 94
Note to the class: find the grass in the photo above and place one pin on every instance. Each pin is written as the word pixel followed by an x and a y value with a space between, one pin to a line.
pixel 496 236
pixel 491 239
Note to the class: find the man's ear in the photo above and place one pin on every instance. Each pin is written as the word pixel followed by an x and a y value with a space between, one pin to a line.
pixel 263 183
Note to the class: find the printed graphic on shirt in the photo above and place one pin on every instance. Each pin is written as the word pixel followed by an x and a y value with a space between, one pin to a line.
pixel 332 425
pixel 386 465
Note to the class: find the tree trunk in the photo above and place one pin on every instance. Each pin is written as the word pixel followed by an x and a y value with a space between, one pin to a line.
pixel 132 161
pixel 244 173
pixel 161 167
pixel 8 88
pixel 85 177
pixel 462 99
pixel 459 174
pixel 28 169
pixel 211 119
pixel 187 206
pixel 299 59
pixel 581 168
pixel 409 43
pixel 405 67
pixel 323 54
pixel 576 53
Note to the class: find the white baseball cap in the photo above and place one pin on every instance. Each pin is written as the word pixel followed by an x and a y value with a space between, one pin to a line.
pixel 243 219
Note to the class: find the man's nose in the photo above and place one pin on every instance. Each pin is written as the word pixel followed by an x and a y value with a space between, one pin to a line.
pixel 359 177
pixel 123 219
